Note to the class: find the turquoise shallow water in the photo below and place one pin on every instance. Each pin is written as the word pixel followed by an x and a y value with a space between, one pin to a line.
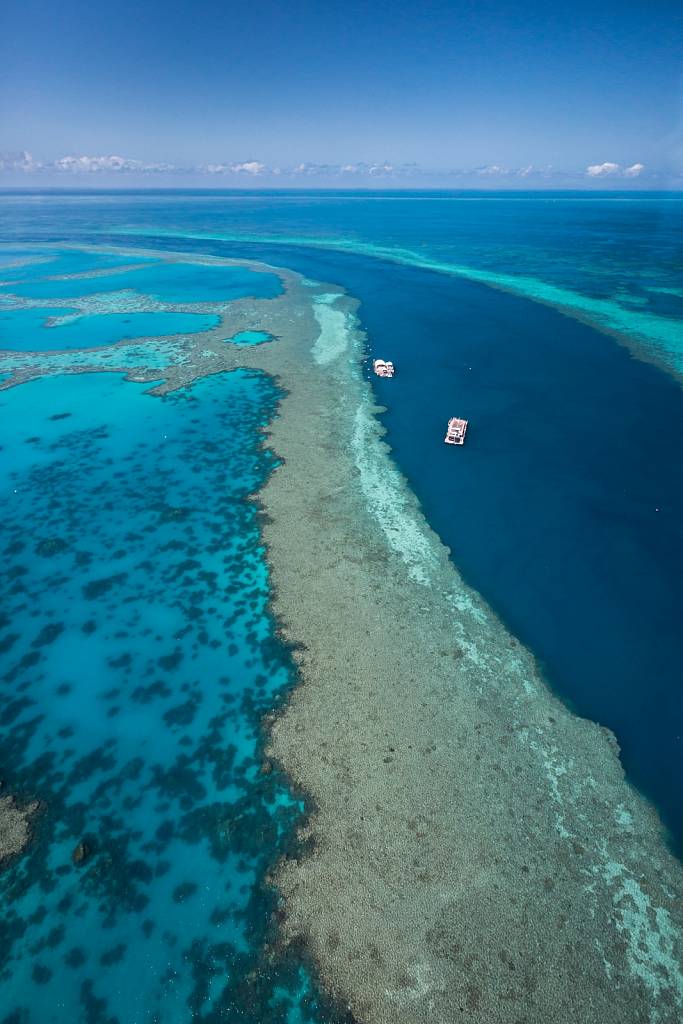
pixel 24 330
pixel 152 354
pixel 166 283
pixel 46 261
pixel 138 656
pixel 11 255
pixel 250 338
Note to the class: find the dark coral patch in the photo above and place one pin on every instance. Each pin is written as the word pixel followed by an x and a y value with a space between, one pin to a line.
pixel 183 891
pixel 97 588
pixel 48 634
pixel 75 957
pixel 50 546
pixel 170 662
pixel 8 642
pixel 114 955
pixel 41 974
pixel 182 714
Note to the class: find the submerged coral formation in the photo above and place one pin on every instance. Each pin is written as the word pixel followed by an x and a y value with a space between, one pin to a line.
pixel 15 825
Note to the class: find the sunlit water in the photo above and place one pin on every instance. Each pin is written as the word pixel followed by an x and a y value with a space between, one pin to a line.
pixel 562 509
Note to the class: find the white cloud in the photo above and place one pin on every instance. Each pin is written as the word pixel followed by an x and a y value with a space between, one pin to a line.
pixel 373 170
pixel 248 167
pixel 496 171
pixel 360 168
pixel 492 169
pixel 609 169
pixel 492 175
pixel 600 170
pixel 317 170
pixel 92 164
pixel 19 161
pixel 98 164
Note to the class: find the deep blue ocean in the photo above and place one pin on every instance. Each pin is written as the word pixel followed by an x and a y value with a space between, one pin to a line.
pixel 563 510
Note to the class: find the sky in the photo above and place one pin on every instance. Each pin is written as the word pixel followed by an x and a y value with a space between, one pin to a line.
pixel 225 93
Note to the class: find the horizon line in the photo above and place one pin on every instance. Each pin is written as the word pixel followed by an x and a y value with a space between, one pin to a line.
pixel 482 189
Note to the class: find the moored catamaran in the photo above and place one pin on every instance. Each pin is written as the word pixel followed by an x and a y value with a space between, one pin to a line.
pixel 383 368
pixel 455 433
pixel 457 428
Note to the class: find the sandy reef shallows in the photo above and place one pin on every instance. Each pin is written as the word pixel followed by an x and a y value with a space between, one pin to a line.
pixel 474 852
pixel 15 826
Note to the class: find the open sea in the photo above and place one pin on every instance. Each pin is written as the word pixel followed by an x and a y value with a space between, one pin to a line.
pixel 138 654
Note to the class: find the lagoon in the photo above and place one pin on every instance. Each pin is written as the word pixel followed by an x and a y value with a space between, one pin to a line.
pixel 175 282
pixel 140 657
pixel 25 330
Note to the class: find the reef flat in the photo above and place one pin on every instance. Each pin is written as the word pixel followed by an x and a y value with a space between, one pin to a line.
pixel 473 851
pixel 15 826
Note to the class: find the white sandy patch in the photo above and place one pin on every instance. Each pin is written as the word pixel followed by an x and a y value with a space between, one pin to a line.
pixel 383 489
pixel 334 336
pixel 650 936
